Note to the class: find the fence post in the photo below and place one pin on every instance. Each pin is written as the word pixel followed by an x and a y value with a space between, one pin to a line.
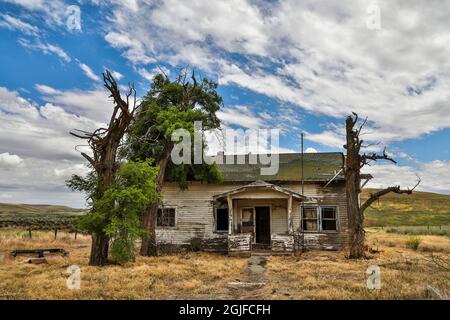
pixel 29 232
pixel 56 233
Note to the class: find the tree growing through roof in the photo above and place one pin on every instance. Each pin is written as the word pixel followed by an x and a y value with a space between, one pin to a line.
pixel 355 161
pixel 170 105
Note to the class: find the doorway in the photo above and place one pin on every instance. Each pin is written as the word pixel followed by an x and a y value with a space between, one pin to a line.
pixel 262 225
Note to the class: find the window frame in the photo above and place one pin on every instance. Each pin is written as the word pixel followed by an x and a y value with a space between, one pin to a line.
pixel 336 218
pixel 319 218
pixel 215 219
pixel 174 217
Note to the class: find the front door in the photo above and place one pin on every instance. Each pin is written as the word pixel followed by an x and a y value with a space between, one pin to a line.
pixel 262 225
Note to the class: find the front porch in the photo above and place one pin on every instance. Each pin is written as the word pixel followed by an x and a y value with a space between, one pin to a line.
pixel 261 216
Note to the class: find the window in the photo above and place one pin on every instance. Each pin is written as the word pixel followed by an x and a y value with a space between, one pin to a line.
pixel 222 219
pixel 166 217
pixel 329 218
pixel 319 219
pixel 310 219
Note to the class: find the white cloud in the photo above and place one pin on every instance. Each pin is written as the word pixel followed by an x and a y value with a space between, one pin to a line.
pixel 46 48
pixel 328 61
pixel 117 75
pixel 42 88
pixel 327 138
pixel 52 12
pixel 8 160
pixel 310 150
pixel 91 104
pixel 241 116
pixel 88 71
pixel 37 153
pixel 13 23
pixel 434 176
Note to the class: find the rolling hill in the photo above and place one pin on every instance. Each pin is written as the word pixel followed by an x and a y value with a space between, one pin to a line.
pixel 417 209
pixel 38 217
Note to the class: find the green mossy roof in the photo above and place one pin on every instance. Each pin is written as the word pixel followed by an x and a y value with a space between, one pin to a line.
pixel 317 167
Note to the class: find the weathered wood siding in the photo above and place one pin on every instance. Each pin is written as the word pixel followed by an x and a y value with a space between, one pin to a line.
pixel 333 195
pixel 195 212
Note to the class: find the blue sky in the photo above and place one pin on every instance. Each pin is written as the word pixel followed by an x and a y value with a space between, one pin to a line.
pixel 299 67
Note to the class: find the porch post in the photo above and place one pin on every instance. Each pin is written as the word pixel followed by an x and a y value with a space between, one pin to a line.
pixel 289 211
pixel 230 214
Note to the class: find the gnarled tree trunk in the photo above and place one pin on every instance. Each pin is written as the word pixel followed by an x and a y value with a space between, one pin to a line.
pixel 149 245
pixel 104 143
pixel 353 164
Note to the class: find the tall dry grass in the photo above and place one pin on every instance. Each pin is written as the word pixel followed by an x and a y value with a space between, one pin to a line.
pixel 181 276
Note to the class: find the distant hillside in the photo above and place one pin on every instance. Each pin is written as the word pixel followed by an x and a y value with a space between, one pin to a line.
pixel 419 208
pixel 9 208
pixel 38 217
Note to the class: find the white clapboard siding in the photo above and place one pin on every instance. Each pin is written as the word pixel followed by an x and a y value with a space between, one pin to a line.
pixel 195 216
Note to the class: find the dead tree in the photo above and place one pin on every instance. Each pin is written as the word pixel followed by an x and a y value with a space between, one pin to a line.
pixel 104 143
pixel 354 163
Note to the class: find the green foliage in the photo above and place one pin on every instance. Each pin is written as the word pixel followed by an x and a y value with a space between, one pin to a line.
pixel 117 212
pixel 87 185
pixel 168 106
pixel 413 243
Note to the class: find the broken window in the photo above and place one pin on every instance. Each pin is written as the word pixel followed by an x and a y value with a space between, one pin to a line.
pixel 329 218
pixel 166 217
pixel 310 219
pixel 222 219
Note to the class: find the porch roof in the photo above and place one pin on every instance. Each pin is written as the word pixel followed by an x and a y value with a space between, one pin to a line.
pixel 259 184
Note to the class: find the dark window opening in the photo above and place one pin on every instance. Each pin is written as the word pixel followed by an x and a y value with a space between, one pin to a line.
pixel 222 219
pixel 329 221
pixel 166 217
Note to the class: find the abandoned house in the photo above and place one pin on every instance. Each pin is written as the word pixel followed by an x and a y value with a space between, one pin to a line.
pixel 302 206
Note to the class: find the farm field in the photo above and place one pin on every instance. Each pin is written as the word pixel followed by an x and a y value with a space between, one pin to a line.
pixel 405 272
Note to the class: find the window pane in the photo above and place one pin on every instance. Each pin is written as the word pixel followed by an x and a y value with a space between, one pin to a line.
pixel 166 217
pixel 328 213
pixel 329 219
pixel 310 213
pixel 328 224
pixel 247 217
pixel 222 219
pixel 310 225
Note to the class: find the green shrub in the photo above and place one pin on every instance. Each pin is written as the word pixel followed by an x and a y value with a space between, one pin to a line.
pixel 413 243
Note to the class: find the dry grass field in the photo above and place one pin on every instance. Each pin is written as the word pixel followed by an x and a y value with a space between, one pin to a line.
pixel 182 276
pixel 405 273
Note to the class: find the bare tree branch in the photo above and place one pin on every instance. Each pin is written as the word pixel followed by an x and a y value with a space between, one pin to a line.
pixel 377 195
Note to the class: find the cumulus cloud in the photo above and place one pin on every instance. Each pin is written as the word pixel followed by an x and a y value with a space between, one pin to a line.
pixel 91 104
pixel 8 160
pixel 310 150
pixel 37 153
pixel 326 60
pixel 434 176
